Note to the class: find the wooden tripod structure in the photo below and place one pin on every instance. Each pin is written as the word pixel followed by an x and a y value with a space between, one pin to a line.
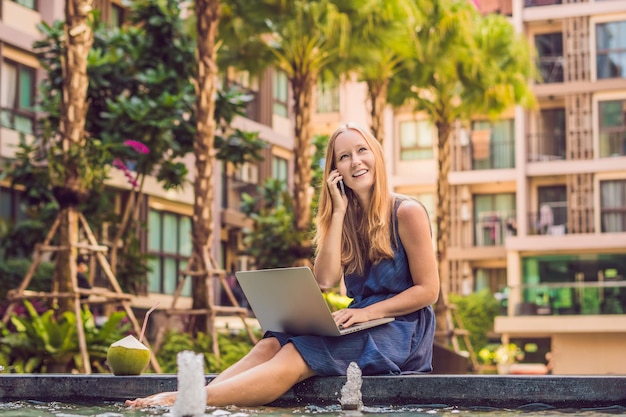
pixel 195 269
pixel 115 296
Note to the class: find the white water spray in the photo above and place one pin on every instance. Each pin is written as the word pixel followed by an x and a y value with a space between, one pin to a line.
pixel 351 396
pixel 191 397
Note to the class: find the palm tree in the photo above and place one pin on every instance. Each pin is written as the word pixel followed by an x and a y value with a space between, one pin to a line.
pixel 69 174
pixel 470 65
pixel 302 38
pixel 381 40
pixel 304 45
pixel 207 14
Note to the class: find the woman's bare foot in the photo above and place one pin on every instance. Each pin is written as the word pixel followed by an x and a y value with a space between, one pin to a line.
pixel 163 398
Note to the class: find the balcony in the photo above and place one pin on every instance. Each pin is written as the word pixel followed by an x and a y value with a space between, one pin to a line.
pixel 546 146
pixel 492 228
pixel 489 152
pixel 606 296
pixel 551 220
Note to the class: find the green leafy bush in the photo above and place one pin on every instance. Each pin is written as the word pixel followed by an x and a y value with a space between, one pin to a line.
pixel 41 343
pixel 477 312
pixel 233 346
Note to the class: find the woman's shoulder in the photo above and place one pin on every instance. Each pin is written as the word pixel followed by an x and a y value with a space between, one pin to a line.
pixel 411 213
pixel 409 206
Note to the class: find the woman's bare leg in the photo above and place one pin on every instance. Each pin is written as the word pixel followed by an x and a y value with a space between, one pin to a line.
pixel 263 351
pixel 249 384
pixel 263 383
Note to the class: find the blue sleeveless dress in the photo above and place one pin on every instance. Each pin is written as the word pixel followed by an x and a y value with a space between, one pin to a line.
pixel 401 346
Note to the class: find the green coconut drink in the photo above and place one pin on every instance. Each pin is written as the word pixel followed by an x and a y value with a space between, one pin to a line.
pixel 128 356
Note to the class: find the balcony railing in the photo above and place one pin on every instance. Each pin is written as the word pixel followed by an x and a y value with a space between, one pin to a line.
pixel 493 155
pixel 607 296
pixel 546 146
pixel 551 69
pixel 550 220
pixel 613 142
pixel 492 227
pixel 537 3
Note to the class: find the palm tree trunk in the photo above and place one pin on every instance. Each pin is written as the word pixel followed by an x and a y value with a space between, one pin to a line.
pixel 207 15
pixel 444 130
pixel 378 100
pixel 79 38
pixel 302 86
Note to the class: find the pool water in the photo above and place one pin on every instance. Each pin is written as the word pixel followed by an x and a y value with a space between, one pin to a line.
pixel 113 409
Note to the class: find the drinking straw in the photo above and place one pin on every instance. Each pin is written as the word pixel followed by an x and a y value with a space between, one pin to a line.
pixel 145 320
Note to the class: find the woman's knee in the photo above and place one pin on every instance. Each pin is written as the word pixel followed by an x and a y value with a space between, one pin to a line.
pixel 266 348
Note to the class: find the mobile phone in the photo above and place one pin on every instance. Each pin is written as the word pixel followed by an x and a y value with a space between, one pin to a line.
pixel 341 187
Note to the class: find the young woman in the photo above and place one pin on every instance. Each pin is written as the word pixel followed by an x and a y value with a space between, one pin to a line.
pixel 381 244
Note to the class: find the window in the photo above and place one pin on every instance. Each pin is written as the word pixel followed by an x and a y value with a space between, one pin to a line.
pixel 416 140
pixel 612 126
pixel 551 218
pixel 169 243
pixel 550 57
pixel 17 97
pixel 495 147
pixel 280 169
pixel 116 16
pixel 492 214
pixel 280 92
pixel 550 143
pixel 327 97
pixel 611 50
pixel 493 279
pixel 11 209
pixel 31 4
pixel 613 206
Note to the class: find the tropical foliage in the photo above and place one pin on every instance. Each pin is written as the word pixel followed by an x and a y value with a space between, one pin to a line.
pixel 39 343
pixel 233 346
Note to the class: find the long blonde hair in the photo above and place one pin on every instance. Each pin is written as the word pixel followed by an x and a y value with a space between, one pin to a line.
pixel 367 231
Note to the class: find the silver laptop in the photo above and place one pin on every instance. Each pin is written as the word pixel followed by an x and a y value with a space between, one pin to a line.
pixel 289 300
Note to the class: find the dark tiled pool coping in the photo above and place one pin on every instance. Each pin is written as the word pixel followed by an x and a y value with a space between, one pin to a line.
pixel 507 391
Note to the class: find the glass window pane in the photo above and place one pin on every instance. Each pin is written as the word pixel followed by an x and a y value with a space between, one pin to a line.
pixel 170 275
pixel 186 290
pixel 407 134
pixel 424 134
pixel 23 124
pixel 170 233
pixel 9 85
pixel 27 3
pixel 154 276
pixel 6 203
pixel 154 231
pixel 185 236
pixel 26 88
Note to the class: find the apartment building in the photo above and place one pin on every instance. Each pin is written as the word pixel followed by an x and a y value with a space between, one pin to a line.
pixel 538 203
pixel 167 214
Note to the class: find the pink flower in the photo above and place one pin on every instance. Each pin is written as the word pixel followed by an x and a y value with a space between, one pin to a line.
pixel 119 164
pixel 137 146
